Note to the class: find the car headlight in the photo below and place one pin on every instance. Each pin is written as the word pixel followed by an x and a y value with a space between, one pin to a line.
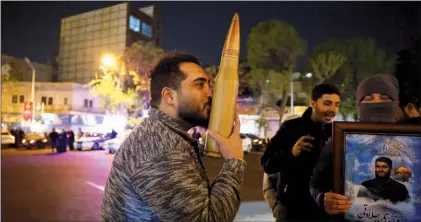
pixel 32 141
pixel 255 140
pixel 24 141
pixel 260 142
pixel 44 140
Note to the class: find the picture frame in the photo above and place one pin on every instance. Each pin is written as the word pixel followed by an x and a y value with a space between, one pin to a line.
pixel 378 166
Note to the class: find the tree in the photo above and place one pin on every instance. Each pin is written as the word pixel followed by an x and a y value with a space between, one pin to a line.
pixel 10 73
pixel 326 59
pixel 139 59
pixel 243 75
pixel 346 63
pixel 106 85
pixel 273 47
pixel 127 85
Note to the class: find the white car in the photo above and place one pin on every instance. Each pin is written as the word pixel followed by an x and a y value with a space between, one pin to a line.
pixel 247 143
pixel 90 141
pixel 7 139
pixel 111 146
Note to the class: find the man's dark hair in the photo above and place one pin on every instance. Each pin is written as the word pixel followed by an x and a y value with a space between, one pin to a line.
pixel 324 88
pixel 385 160
pixel 167 73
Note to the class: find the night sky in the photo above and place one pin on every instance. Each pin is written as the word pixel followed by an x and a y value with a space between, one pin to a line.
pixel 32 28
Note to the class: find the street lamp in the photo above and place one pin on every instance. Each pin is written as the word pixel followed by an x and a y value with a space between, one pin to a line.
pixel 295 76
pixel 108 61
pixel 33 88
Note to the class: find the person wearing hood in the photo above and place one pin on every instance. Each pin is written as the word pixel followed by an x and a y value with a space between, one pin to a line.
pixel 377 102
pixel 294 151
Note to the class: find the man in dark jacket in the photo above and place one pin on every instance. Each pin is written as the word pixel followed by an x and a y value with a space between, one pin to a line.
pixel 383 187
pixel 54 140
pixel 71 139
pixel 378 102
pixel 295 149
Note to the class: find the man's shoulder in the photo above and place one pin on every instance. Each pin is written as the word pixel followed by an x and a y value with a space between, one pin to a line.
pixel 293 123
pixel 150 138
pixel 367 182
pixel 397 184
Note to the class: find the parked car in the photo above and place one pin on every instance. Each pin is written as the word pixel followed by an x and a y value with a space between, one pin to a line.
pixel 247 143
pixel 91 141
pixel 111 146
pixel 7 139
pixel 34 140
pixel 257 143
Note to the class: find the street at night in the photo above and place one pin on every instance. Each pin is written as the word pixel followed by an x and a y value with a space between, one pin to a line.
pixel 40 186
pixel 290 84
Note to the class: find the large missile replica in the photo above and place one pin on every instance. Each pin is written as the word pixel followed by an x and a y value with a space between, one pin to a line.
pixel 225 90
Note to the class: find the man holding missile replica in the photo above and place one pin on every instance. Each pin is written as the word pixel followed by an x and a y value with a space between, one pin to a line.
pixel 294 152
pixel 157 174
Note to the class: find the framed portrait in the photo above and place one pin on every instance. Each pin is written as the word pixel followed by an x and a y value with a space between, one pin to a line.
pixel 378 166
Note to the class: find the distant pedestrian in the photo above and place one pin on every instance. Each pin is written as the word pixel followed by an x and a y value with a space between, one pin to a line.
pixel 53 139
pixel 113 134
pixel 62 142
pixel 71 139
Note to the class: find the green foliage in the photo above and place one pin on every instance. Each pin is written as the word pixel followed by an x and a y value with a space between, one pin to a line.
pixel 365 58
pixel 326 59
pixel 126 86
pixel 139 59
pixel 348 106
pixel 273 47
pixel 346 63
pixel 106 85
pixel 243 75
pixel 262 123
pixel 10 73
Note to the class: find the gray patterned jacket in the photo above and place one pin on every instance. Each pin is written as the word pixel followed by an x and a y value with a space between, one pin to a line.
pixel 158 175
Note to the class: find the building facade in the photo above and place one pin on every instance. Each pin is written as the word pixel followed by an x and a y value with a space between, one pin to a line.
pixel 86 37
pixel 62 105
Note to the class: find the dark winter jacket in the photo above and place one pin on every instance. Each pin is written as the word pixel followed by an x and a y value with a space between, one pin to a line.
pixel 322 178
pixel 295 172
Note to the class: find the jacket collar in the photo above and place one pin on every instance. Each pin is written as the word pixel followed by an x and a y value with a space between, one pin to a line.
pixel 175 125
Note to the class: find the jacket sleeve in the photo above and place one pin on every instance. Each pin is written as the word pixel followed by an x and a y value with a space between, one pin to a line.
pixel 321 180
pixel 172 186
pixel 276 151
pixel 270 195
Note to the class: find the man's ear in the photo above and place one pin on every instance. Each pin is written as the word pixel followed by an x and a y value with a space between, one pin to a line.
pixel 312 103
pixel 167 96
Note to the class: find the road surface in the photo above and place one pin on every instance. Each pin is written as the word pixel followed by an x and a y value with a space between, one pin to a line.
pixel 37 185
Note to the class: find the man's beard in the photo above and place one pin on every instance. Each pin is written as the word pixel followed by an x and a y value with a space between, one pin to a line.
pixel 385 177
pixel 195 116
pixel 321 115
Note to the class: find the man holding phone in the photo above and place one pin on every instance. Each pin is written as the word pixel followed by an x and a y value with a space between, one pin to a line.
pixel 294 151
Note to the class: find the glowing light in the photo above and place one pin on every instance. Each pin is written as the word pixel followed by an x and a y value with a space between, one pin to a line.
pixel 108 61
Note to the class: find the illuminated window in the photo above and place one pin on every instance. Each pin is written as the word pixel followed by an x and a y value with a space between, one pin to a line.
pixel 146 30
pixel 134 24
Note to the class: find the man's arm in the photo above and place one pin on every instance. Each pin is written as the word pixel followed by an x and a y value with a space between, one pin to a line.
pixel 271 197
pixel 276 151
pixel 173 187
pixel 321 180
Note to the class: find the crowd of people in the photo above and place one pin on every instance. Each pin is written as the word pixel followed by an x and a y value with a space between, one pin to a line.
pixel 158 174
